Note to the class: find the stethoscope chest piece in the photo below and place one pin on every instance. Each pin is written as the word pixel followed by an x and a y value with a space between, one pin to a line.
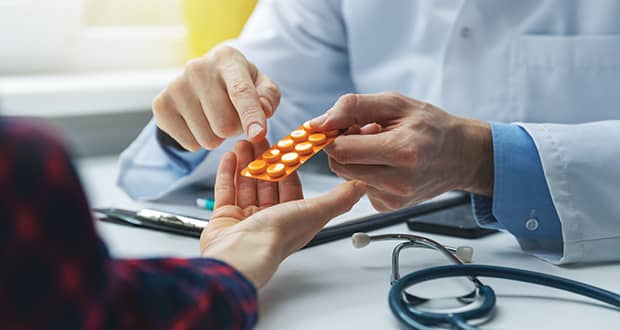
pixel 415 318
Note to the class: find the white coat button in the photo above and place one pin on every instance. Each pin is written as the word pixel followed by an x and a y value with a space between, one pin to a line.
pixel 531 224
pixel 465 32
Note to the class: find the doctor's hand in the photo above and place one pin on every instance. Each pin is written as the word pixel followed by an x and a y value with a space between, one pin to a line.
pixel 407 151
pixel 256 224
pixel 218 96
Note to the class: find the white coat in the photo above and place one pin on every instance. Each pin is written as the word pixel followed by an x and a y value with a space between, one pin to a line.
pixel 553 65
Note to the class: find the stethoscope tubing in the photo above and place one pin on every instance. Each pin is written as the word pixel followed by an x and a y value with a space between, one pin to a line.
pixel 418 319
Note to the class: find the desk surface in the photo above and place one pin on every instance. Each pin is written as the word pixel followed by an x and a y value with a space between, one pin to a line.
pixel 334 286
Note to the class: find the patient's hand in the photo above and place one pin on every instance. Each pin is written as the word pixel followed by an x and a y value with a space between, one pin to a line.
pixel 256 224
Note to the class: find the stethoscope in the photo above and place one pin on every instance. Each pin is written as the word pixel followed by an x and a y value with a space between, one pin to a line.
pixel 482 298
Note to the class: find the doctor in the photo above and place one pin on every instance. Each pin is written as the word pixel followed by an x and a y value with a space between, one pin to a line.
pixel 552 179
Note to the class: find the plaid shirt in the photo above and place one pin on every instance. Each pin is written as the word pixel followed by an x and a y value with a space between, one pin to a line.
pixel 57 274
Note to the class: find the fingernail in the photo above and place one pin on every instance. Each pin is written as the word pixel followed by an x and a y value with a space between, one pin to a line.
pixel 267 104
pixel 318 121
pixel 254 130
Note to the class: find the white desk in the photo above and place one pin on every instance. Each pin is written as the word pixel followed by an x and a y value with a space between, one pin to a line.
pixel 334 286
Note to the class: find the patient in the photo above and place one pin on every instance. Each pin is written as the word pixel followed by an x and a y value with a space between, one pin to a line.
pixel 57 273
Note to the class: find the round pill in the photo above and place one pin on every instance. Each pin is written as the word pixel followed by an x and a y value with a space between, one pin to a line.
pixel 307 127
pixel 272 155
pixel 332 133
pixel 257 166
pixel 304 148
pixel 285 145
pixel 299 135
pixel 317 139
pixel 276 170
pixel 290 159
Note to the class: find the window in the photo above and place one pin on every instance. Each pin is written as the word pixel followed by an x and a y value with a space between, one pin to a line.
pixel 133 12
pixel 41 36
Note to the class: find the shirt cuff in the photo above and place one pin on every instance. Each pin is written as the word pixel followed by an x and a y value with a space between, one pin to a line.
pixel 185 161
pixel 240 293
pixel 147 169
pixel 521 202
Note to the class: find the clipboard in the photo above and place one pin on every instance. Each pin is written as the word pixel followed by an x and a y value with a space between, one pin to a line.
pixel 192 226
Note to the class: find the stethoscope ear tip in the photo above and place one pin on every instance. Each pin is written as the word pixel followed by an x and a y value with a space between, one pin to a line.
pixel 360 240
pixel 465 253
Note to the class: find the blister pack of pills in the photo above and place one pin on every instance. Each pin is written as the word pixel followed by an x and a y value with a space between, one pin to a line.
pixel 289 153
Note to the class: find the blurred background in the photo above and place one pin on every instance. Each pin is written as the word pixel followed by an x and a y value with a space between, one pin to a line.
pixel 92 67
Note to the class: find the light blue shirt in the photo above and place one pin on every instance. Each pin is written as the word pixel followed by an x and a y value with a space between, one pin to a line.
pixel 550 66
pixel 520 192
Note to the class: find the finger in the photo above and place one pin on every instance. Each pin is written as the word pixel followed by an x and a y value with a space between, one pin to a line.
pixel 368 129
pixel 338 201
pixel 222 114
pixel 268 93
pixel 266 192
pixel 246 187
pixel 353 130
pixel 171 122
pixel 244 97
pixel 381 177
pixel 299 221
pixel 375 149
pixel 361 109
pixel 372 128
pixel 191 110
pixel 373 175
pixel 290 188
pixel 215 104
pixel 225 191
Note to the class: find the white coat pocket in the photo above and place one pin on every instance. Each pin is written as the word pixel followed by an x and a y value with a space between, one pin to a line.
pixel 565 79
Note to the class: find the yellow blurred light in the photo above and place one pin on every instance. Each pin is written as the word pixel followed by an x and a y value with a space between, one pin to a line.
pixel 209 22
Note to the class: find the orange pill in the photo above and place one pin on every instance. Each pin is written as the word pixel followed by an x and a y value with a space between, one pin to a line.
pixel 299 135
pixel 257 166
pixel 307 127
pixel 276 170
pixel 304 148
pixel 272 155
pixel 332 133
pixel 290 159
pixel 317 139
pixel 286 145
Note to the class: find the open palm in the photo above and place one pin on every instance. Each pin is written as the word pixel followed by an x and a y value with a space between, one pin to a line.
pixel 256 224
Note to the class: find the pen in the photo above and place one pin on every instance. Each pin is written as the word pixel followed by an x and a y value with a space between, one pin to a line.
pixel 153 219
pixel 205 203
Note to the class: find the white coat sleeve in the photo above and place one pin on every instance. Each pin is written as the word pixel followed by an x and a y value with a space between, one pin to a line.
pixel 582 167
pixel 302 46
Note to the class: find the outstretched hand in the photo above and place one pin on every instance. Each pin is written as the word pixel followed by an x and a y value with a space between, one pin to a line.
pixel 257 224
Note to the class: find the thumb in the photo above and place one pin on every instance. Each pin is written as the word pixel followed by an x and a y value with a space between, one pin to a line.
pixel 299 221
pixel 360 109
pixel 320 210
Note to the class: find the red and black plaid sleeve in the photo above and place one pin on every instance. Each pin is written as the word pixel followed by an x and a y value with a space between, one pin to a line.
pixel 55 272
